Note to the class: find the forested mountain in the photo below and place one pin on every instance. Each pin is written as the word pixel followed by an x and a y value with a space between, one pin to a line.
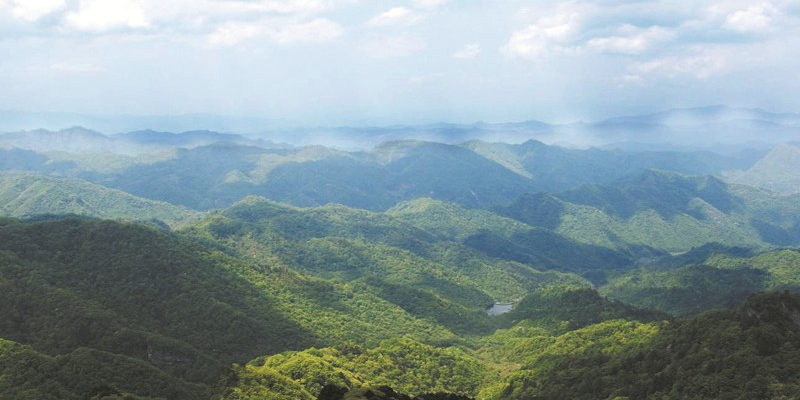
pixel 82 140
pixel 175 309
pixel 746 353
pixel 717 278
pixel 30 195
pixel 428 276
pixel 663 210
pixel 142 306
pixel 206 170
pixel 140 297
pixel 210 266
pixel 709 128
pixel 73 140
pixel 553 168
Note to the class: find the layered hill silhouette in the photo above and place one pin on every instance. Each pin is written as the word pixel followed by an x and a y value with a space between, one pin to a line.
pixel 26 195
pixel 205 170
pixel 663 210
pixel 203 265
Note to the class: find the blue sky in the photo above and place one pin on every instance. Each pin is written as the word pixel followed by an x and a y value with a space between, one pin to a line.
pixel 384 62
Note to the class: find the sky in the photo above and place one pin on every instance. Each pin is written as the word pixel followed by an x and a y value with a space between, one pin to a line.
pixel 391 62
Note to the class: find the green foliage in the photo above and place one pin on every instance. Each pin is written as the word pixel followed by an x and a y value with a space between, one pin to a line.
pixel 553 168
pixel 332 392
pixel 105 310
pixel 565 308
pixel 408 365
pixel 451 221
pixel 475 174
pixel 662 210
pixel 136 294
pixel 750 353
pixel 249 382
pixel 26 195
pixel 430 277
pixel 720 278
pixel 84 374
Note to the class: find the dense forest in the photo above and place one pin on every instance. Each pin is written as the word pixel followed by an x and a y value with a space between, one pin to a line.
pixel 214 267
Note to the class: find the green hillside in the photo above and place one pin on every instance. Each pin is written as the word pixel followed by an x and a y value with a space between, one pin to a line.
pixel 136 294
pixel 477 370
pixel 663 210
pixel 404 364
pixel 84 373
pixel 504 238
pixel 148 301
pixel 357 272
pixel 554 168
pixel 720 279
pixel 746 353
pixel 411 268
pixel 178 311
pixel 28 195
pixel 222 172
pixel 265 300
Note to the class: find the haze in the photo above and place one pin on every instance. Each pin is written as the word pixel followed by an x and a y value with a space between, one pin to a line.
pixel 339 62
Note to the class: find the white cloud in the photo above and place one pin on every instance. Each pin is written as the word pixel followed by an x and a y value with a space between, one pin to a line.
pixel 752 19
pixel 290 6
pixel 103 15
pixel 703 65
pixel 278 31
pixel 317 30
pixel 192 17
pixel 234 33
pixel 393 17
pixel 630 40
pixel 429 3
pixel 392 46
pixel 547 34
pixel 286 7
pixel 32 10
pixel 469 51
pixel 636 49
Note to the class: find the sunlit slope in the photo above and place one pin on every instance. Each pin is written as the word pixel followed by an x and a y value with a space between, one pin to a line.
pixel 136 293
pixel 505 238
pixel 663 210
pixel 715 278
pixel 748 352
pixel 125 298
pixel 84 373
pixel 29 195
pixel 476 370
pixel 402 363
pixel 377 180
pixel 554 168
pixel 205 170
pixel 427 276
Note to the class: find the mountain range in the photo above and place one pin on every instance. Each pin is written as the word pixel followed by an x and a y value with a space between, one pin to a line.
pixel 204 265
pixel 711 127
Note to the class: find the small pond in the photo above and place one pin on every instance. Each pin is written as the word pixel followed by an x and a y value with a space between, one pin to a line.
pixel 500 308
